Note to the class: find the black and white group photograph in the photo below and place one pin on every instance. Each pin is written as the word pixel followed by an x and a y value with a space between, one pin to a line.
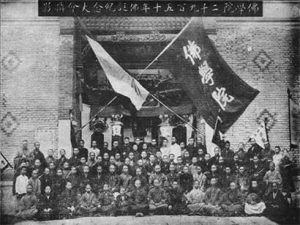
pixel 149 112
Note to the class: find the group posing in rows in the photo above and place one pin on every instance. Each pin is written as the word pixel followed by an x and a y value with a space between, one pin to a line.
pixel 142 178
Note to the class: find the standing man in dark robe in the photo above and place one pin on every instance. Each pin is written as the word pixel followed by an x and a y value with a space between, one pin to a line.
pixel 83 152
pixel 242 154
pixel 227 153
pixel 153 148
pixel 186 180
pixel 23 155
pixel 75 159
pixel 200 145
pixel 126 148
pixel 254 150
pixel 257 169
pixel 113 179
pixel 115 149
pixel 62 159
pixel 37 154
pixel 191 147
pixel 215 158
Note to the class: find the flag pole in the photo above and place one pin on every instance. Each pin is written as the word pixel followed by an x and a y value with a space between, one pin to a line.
pixel 8 163
pixel 171 42
pixel 289 111
pixel 266 130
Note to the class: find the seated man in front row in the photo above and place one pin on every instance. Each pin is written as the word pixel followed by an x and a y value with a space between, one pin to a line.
pixel 88 202
pixel 27 206
pixel 123 202
pixel 232 201
pixel 47 205
pixel 139 205
pixel 212 199
pixel 176 199
pixel 157 199
pixel 277 205
pixel 106 201
pixel 68 202
pixel 195 198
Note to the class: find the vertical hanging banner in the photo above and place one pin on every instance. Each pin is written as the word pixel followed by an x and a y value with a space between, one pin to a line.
pixel 211 84
pixel 294 123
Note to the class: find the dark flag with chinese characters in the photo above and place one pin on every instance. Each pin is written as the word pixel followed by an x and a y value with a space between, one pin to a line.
pixel 215 89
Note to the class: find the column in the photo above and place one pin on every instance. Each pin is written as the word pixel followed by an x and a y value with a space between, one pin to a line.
pixel 117 128
pixel 166 130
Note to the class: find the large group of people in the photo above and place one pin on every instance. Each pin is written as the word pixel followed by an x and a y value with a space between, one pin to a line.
pixel 144 179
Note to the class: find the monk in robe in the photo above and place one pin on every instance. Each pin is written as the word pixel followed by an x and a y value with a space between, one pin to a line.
pixel 58 183
pixel 47 205
pixel 254 205
pixel 243 181
pixel 201 178
pixel 113 179
pixel 123 202
pixel 74 178
pixel 99 180
pixel 125 177
pixel 271 176
pixel 186 180
pixel 88 202
pixel 277 206
pixel 157 199
pixel 176 200
pixel 172 175
pixel 27 206
pixel 195 198
pixel 106 202
pixel 139 200
pixel 227 178
pixel 231 202
pixel 85 178
pixel 157 175
pixel 212 199
pixel 67 202
pixel 35 182
pixel 45 180
pixel 256 169
pixel 139 176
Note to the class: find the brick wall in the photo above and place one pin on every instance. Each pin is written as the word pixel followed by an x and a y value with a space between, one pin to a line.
pixel 29 77
pixel 240 44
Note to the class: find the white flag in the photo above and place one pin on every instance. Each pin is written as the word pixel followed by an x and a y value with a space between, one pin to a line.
pixel 260 135
pixel 119 79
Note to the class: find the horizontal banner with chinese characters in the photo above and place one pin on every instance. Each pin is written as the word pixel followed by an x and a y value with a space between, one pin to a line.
pixel 151 8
